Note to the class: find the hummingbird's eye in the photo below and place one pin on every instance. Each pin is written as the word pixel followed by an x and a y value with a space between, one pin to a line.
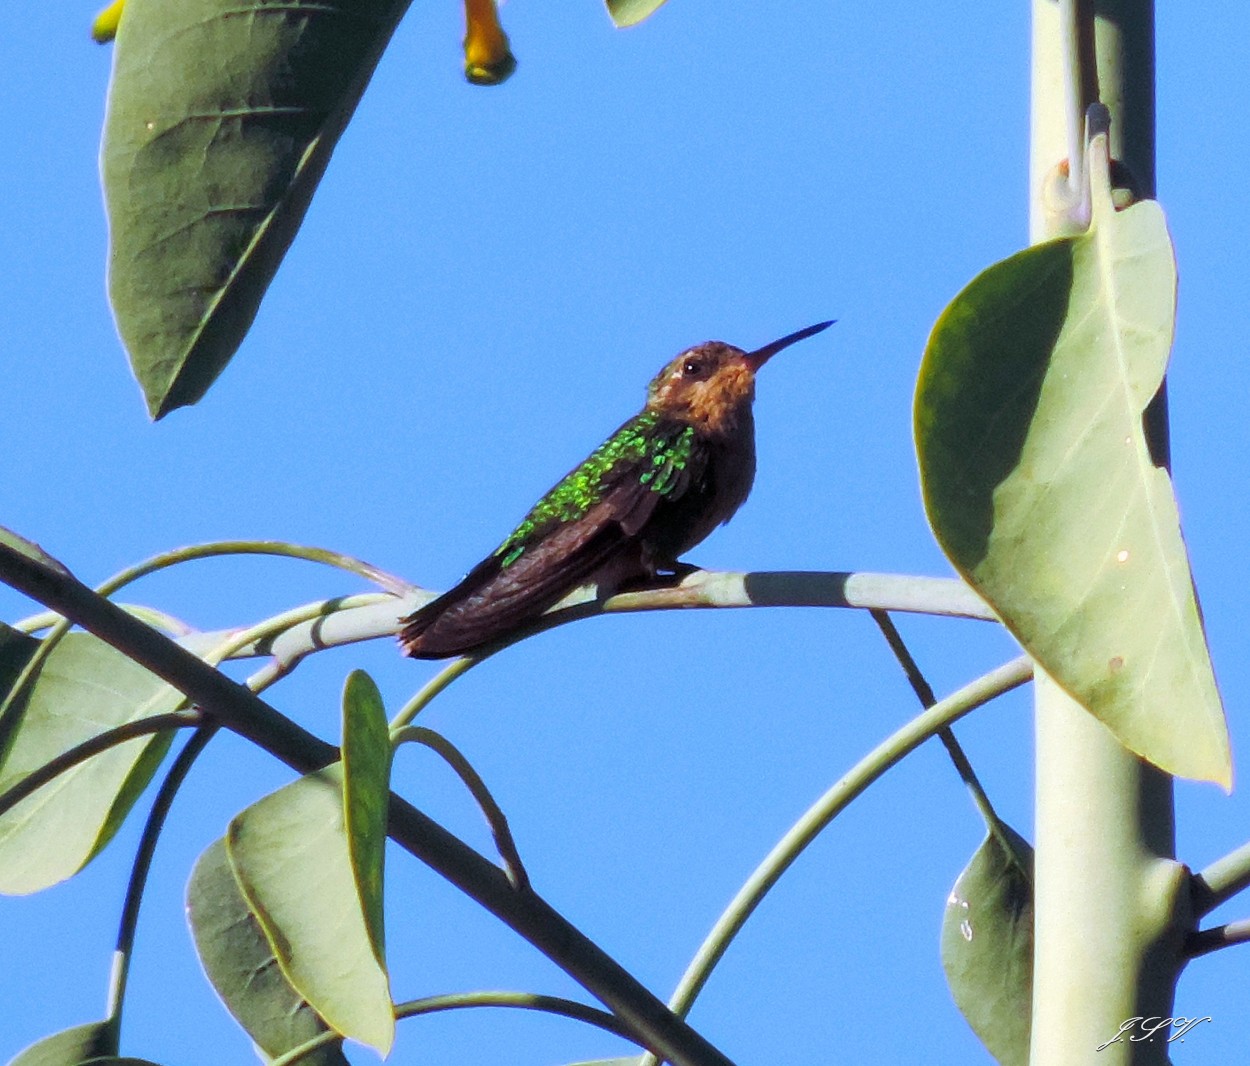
pixel 692 368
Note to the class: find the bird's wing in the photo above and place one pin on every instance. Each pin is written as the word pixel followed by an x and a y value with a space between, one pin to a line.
pixel 559 545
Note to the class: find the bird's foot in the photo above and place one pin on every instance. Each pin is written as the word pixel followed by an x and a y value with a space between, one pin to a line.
pixel 662 577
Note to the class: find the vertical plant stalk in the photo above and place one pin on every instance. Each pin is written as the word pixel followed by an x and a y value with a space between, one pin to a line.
pixel 1111 904
pixel 1079 85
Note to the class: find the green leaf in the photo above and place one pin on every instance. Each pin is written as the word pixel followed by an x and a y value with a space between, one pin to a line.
pixel 222 118
pixel 366 796
pixel 240 964
pixel 16 648
pixel 632 12
pixel 987 945
pixel 83 688
pixel 70 1047
pixel 30 549
pixel 113 1060
pixel 292 860
pixel 1041 489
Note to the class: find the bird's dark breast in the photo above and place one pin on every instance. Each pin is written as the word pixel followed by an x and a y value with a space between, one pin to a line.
pixel 678 525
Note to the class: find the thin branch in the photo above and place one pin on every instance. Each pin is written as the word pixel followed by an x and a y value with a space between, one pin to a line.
pixel 143 863
pixel 1204 941
pixel 370 617
pixel 156 822
pixel 101 742
pixel 240 710
pixel 436 684
pixel 1222 880
pixel 924 693
pixel 432 1004
pixel 352 565
pixel 335 622
pixel 495 818
pixel 824 810
pixel 811 588
pixel 703 589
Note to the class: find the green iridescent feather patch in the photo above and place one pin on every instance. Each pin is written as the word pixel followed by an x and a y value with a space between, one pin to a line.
pixel 583 487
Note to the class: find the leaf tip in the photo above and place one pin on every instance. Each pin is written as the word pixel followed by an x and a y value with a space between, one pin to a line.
pixel 626 13
pixel 104 26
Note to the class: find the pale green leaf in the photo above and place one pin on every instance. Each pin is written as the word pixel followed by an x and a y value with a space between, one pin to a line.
pixel 114 1060
pixel 30 549
pixel 239 962
pixel 290 856
pixel 366 795
pixel 221 120
pixel 632 12
pixel 70 1047
pixel 1041 488
pixel 987 945
pixel 83 688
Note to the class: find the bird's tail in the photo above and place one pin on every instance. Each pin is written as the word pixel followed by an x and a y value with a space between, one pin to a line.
pixel 459 621
pixel 494 599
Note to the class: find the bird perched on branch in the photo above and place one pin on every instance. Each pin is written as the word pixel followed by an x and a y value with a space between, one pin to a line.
pixel 648 494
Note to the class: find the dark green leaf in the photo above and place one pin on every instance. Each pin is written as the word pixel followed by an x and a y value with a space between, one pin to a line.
pixel 632 12
pixel 222 117
pixel 290 856
pixel 16 648
pixel 71 1047
pixel 987 945
pixel 1040 486
pixel 241 965
pixel 83 688
pixel 366 794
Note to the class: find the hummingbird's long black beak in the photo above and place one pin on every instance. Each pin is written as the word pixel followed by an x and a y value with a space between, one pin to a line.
pixel 760 356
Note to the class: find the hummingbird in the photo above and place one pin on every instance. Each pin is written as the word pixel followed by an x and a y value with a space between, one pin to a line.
pixel 648 494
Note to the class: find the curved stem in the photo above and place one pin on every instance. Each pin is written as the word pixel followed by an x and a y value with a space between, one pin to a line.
pixel 567 1008
pixel 432 688
pixel 264 630
pixel 255 547
pixel 101 742
pixel 371 617
pixel 824 810
pixel 152 830
pixel 472 780
pixel 143 863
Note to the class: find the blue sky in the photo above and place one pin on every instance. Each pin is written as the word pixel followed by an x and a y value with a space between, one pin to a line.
pixel 484 284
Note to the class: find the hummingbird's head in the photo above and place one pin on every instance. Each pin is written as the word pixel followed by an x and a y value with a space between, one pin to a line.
pixel 708 386
pixel 712 385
